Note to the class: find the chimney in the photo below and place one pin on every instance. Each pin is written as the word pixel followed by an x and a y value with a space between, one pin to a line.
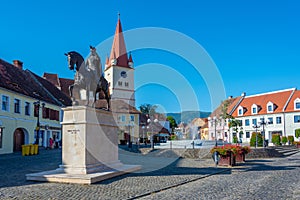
pixel 18 64
pixel 243 94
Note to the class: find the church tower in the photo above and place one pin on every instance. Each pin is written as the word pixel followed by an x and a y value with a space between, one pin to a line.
pixel 119 70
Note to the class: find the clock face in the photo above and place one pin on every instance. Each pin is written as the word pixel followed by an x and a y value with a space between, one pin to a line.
pixel 123 74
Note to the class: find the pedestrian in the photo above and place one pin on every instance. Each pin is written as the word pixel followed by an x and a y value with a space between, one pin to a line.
pixel 56 142
pixel 50 143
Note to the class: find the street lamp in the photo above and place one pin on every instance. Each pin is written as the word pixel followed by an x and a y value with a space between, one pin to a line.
pixel 152 125
pixel 214 122
pixel 256 127
pixel 263 123
pixel 143 127
pixel 37 105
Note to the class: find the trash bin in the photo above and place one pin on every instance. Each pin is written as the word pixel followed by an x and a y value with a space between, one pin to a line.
pixel 25 150
pixel 31 149
pixel 36 149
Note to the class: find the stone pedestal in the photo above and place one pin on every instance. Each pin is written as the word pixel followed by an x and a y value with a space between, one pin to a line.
pixel 90 148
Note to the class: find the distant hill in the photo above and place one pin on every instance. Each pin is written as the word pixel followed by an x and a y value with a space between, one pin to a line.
pixel 187 116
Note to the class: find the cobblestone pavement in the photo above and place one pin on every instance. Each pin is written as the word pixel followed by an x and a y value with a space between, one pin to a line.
pixel 182 179
pixel 256 179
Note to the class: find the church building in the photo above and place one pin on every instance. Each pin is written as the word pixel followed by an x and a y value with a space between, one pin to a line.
pixel 119 72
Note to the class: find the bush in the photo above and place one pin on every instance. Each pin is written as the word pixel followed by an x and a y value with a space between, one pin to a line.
pixel 235 139
pixel 276 139
pixel 297 133
pixel 284 140
pixel 253 140
pixel 173 137
pixel 290 139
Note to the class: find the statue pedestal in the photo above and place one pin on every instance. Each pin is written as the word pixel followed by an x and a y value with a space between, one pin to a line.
pixel 89 150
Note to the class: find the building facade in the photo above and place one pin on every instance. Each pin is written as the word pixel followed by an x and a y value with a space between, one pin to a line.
pixel 276 112
pixel 29 110
pixel 119 73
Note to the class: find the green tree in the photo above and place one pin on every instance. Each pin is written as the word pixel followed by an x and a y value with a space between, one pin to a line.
pixel 284 140
pixel 253 140
pixel 148 109
pixel 291 139
pixel 276 139
pixel 173 123
pixel 297 133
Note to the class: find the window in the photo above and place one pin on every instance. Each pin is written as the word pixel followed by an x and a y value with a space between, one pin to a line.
pixel 27 108
pixel 254 109
pixel 270 120
pixel 240 111
pixel 254 121
pixel 297 104
pixel 278 120
pixel 247 134
pixel 247 122
pixel 123 118
pixel 126 84
pixel 120 83
pixel 270 107
pixel 17 105
pixel 5 103
pixel 1 136
pixel 132 118
pixel 297 119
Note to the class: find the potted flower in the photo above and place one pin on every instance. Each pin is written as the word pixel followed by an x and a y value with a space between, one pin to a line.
pixel 297 144
pixel 226 155
pixel 241 153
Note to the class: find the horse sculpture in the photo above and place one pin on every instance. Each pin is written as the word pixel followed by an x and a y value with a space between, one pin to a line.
pixel 86 78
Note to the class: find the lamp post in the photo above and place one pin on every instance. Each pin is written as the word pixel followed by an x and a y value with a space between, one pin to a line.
pixel 37 105
pixel 214 123
pixel 256 127
pixel 152 125
pixel 263 123
pixel 143 127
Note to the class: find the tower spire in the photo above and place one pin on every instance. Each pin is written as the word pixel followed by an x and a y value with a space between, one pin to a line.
pixel 118 50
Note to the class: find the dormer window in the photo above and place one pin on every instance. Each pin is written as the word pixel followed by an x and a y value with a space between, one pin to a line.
pixel 270 107
pixel 240 111
pixel 254 109
pixel 297 104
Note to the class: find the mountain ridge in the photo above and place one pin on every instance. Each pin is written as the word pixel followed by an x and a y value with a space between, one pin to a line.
pixel 188 116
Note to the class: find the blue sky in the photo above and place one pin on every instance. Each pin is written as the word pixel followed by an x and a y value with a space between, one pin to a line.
pixel 254 45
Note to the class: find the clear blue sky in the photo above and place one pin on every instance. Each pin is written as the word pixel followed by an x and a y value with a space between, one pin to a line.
pixel 254 44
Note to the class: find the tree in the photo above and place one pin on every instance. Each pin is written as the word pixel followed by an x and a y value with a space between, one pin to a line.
pixel 297 133
pixel 148 109
pixel 172 121
pixel 253 139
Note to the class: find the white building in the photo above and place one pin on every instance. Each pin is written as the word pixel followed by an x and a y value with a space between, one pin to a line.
pixel 276 112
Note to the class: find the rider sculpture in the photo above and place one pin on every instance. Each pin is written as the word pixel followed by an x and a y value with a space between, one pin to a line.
pixel 88 77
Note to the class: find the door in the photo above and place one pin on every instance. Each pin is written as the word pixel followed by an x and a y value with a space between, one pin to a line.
pixel 18 139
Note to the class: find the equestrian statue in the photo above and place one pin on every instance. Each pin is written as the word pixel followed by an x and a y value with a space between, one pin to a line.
pixel 88 77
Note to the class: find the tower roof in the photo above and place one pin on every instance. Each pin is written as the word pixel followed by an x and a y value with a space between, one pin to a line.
pixel 118 49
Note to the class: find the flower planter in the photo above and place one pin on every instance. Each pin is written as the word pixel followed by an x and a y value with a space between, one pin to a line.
pixel 227 160
pixel 240 157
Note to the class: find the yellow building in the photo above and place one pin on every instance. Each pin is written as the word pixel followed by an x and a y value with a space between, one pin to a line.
pixel 29 105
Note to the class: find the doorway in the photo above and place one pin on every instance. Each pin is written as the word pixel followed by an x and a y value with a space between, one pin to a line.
pixel 19 139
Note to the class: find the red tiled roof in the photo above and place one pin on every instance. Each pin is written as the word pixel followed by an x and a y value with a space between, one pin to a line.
pixel 279 98
pixel 118 49
pixel 53 78
pixel 64 85
pixel 26 83
pixel 232 102
pixel 119 106
pixel 54 91
pixel 290 106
